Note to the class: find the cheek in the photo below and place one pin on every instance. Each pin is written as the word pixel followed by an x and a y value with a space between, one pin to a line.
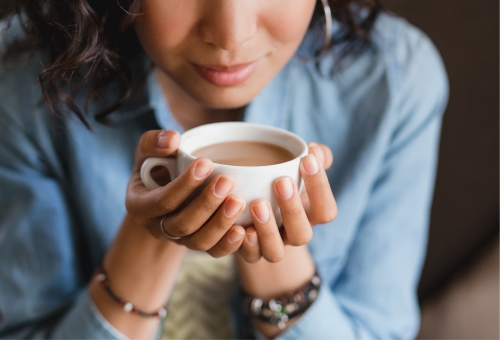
pixel 287 21
pixel 164 24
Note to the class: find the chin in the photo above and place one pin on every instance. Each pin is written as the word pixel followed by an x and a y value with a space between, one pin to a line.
pixel 225 98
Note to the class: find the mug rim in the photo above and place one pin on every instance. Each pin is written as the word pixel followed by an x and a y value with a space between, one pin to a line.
pixel 270 128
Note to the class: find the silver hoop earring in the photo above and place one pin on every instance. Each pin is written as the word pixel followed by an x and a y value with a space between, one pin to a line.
pixel 328 34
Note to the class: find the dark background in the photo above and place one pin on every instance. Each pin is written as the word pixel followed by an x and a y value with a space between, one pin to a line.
pixel 466 206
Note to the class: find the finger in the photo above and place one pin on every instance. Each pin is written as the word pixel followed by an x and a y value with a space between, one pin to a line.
pixel 324 154
pixel 250 248
pixel 295 220
pixel 271 245
pixel 164 200
pixel 218 225
pixel 322 207
pixel 191 217
pixel 156 143
pixel 317 151
pixel 230 243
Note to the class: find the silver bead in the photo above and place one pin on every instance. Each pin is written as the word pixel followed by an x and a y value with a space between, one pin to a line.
pixel 291 307
pixel 313 294
pixel 162 312
pixel 101 277
pixel 272 304
pixel 128 307
pixel 316 280
pixel 281 325
pixel 275 305
pixel 256 306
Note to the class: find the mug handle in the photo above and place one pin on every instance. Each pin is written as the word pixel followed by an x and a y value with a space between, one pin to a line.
pixel 169 162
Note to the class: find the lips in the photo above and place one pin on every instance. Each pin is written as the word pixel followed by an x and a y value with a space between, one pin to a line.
pixel 226 76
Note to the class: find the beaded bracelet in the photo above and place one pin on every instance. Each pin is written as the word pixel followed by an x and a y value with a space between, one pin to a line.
pixel 127 306
pixel 279 311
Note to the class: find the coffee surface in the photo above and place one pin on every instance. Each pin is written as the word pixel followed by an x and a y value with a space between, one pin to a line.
pixel 245 153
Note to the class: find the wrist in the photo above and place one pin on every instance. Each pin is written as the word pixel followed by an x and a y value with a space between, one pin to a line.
pixel 267 280
pixel 141 269
pixel 279 311
pixel 137 244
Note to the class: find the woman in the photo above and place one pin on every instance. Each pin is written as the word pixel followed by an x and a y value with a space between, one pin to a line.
pixel 119 76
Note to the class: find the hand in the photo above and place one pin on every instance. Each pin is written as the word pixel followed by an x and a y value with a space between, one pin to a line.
pixel 299 212
pixel 206 223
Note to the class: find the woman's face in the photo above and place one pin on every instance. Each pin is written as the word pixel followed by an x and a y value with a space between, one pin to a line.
pixel 222 52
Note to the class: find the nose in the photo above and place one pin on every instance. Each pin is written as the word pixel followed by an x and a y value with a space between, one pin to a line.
pixel 228 24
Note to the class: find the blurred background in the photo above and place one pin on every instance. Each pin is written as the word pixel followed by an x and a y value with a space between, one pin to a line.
pixel 459 288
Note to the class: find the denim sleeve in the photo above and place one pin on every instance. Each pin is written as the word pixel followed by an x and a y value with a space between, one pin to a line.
pixel 43 293
pixel 375 294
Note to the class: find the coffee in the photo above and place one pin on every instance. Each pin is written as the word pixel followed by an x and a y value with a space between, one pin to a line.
pixel 245 153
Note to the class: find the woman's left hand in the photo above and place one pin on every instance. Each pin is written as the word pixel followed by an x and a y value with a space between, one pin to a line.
pixel 315 205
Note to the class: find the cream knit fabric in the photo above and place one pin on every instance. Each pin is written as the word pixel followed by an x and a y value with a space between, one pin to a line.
pixel 199 304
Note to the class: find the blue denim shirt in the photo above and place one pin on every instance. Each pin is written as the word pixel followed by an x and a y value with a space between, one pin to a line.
pixel 62 189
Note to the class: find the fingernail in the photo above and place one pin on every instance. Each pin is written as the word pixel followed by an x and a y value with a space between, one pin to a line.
pixel 164 140
pixel 252 238
pixel 261 211
pixel 232 207
pixel 311 165
pixel 285 187
pixel 223 186
pixel 235 236
pixel 202 169
pixel 313 145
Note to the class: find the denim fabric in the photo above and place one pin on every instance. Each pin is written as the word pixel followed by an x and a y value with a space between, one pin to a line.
pixel 62 189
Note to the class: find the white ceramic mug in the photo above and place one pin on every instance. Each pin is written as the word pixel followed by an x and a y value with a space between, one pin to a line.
pixel 251 182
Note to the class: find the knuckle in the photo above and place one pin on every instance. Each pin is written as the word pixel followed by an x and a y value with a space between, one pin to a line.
pixel 166 207
pixel 250 256
pixel 186 180
pixel 221 226
pixel 320 189
pixel 224 249
pixel 145 141
pixel 333 213
pixel 131 202
pixel 179 229
pixel 198 244
pixel 165 203
pixel 214 253
pixel 176 226
pixel 301 238
pixel 253 258
pixel 267 233
pixel 295 211
pixel 275 257
pixel 129 205
pixel 208 203
pixel 327 215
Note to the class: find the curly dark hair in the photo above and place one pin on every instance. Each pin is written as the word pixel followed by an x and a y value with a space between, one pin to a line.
pixel 90 43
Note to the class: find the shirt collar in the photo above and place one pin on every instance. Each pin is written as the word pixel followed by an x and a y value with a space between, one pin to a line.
pixel 268 107
pixel 159 105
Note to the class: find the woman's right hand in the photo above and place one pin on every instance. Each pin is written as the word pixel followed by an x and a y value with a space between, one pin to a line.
pixel 206 223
